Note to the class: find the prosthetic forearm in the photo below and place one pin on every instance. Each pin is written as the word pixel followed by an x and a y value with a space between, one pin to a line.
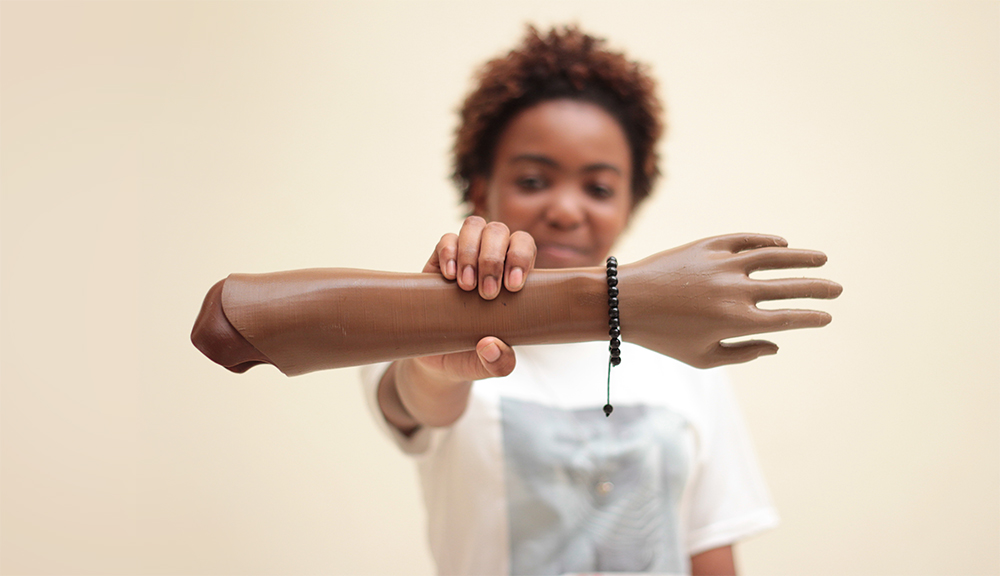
pixel 308 320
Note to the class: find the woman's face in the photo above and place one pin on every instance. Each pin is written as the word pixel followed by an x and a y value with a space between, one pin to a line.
pixel 562 172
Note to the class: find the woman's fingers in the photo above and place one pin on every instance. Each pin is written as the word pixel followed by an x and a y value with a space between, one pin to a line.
pixel 779 258
pixel 484 255
pixel 492 254
pixel 443 260
pixel 520 260
pixel 469 238
pixel 787 288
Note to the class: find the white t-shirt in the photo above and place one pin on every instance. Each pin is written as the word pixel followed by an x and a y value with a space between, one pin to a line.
pixel 534 479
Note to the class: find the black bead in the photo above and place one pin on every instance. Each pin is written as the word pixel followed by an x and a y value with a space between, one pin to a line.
pixel 613 321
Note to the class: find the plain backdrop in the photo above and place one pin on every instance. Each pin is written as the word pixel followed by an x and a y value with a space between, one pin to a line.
pixel 151 148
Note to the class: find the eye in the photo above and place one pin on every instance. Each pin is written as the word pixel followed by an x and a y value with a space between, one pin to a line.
pixel 531 183
pixel 600 191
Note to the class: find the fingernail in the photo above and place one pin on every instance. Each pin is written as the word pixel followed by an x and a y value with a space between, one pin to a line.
pixel 449 269
pixel 490 287
pixel 469 277
pixel 491 352
pixel 516 278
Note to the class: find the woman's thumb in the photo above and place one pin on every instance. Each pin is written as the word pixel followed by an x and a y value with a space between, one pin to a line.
pixel 496 358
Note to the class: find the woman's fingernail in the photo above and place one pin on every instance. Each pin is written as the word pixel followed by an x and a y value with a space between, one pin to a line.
pixel 516 278
pixel 469 277
pixel 490 287
pixel 449 269
pixel 491 352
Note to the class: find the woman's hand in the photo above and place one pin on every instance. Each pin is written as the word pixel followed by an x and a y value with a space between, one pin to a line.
pixel 486 255
pixel 684 302
pixel 434 390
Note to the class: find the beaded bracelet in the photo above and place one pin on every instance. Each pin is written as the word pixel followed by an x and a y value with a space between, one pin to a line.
pixel 615 326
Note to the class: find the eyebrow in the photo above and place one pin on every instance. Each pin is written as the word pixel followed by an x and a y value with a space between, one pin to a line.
pixel 542 159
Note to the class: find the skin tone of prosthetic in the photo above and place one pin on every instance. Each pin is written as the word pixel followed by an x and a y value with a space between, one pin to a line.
pixel 557 198
pixel 308 320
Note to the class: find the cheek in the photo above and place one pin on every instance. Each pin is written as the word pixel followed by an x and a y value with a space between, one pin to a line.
pixel 612 223
pixel 516 211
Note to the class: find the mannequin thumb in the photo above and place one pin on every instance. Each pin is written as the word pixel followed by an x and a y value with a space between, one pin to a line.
pixel 739 352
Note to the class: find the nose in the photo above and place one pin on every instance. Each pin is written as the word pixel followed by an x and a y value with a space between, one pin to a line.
pixel 565 210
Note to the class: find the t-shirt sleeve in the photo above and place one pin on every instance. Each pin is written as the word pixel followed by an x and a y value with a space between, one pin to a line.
pixel 421 442
pixel 730 501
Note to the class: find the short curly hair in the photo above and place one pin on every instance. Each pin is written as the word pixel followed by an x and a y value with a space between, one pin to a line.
pixel 565 63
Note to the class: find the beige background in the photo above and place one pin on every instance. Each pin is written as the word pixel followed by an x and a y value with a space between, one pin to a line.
pixel 150 148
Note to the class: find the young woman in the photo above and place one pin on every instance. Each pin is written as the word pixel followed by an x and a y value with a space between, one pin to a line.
pixel 525 473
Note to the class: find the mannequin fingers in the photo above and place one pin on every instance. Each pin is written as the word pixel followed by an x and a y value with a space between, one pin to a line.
pixel 740 242
pixel 786 288
pixel 496 358
pixel 780 258
pixel 492 254
pixel 520 260
pixel 244 366
pixel 792 319
pixel 739 352
pixel 469 238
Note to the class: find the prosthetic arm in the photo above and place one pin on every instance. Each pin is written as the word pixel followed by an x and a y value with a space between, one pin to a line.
pixel 682 302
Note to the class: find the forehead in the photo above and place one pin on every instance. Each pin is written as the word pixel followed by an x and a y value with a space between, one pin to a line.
pixel 572 133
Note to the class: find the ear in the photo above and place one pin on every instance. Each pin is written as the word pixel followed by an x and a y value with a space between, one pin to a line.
pixel 477 196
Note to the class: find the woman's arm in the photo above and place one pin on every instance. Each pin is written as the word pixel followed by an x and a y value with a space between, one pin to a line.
pixel 682 303
pixel 715 562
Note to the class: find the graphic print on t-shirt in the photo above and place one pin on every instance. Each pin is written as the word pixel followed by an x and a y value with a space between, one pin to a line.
pixel 591 493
